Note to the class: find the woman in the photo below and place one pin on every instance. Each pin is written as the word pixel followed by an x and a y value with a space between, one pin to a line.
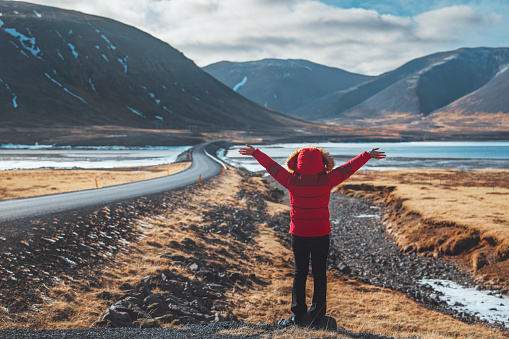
pixel 309 181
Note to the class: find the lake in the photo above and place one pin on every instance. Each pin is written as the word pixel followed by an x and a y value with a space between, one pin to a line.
pixel 464 156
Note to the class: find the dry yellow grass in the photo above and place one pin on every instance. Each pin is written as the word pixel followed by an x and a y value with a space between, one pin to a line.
pixel 30 183
pixel 356 306
pixel 433 197
pixel 453 209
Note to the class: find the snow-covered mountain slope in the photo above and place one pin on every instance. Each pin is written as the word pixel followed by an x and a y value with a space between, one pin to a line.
pixel 65 68
pixel 283 85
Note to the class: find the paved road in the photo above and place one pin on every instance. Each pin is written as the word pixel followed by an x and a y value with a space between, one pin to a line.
pixel 30 208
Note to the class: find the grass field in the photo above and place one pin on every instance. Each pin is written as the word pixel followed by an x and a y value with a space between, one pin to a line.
pixel 30 183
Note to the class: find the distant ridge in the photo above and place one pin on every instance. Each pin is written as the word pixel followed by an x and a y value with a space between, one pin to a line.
pixel 64 68
pixel 466 88
pixel 283 85
pixel 439 88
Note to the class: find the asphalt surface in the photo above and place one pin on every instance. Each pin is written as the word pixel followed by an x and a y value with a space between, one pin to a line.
pixel 16 210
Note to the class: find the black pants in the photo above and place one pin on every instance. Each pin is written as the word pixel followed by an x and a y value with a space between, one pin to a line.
pixel 318 249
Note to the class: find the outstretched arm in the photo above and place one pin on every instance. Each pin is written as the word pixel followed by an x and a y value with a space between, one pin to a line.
pixel 343 172
pixel 275 170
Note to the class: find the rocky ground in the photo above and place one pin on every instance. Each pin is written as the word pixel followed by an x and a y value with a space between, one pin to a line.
pixel 361 248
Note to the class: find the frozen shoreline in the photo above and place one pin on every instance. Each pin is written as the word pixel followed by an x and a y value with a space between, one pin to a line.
pixel 15 157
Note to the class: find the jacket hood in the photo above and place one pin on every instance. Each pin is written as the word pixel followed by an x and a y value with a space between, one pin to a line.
pixel 310 160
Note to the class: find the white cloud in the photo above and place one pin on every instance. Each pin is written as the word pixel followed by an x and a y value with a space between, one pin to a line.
pixel 450 23
pixel 358 40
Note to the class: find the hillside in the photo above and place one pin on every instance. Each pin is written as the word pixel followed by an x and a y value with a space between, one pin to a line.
pixel 283 85
pixel 68 69
pixel 440 87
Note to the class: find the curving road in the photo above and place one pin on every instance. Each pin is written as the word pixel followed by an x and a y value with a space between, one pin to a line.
pixel 30 208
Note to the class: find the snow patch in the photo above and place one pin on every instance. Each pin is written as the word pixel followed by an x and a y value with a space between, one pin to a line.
pixel 15 12
pixel 108 41
pixel 483 304
pixel 14 96
pixel 124 63
pixel 37 14
pixel 1 22
pixel 240 84
pixel 73 50
pixel 152 95
pixel 160 118
pixel 135 111
pixel 105 58
pixel 74 95
pixel 65 89
pixel 28 43
pixel 59 54
pixel 309 68
pixel 503 69
pixel 92 85
pixel 53 80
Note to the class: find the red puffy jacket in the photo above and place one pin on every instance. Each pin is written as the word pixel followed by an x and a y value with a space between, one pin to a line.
pixel 310 185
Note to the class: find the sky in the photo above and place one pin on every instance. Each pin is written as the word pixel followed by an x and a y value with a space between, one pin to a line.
pixel 368 36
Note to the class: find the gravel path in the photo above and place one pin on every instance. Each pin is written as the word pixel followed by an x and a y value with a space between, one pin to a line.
pixel 362 249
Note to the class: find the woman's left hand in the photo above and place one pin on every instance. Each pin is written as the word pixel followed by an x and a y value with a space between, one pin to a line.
pixel 375 154
pixel 247 151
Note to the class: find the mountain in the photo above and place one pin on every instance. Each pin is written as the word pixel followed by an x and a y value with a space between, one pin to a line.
pixel 64 68
pixel 446 86
pixel 283 85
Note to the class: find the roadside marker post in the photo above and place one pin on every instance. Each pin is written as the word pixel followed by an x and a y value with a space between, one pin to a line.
pixel 199 180
pixel 96 185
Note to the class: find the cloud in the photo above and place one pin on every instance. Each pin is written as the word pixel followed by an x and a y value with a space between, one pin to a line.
pixel 356 39
pixel 450 24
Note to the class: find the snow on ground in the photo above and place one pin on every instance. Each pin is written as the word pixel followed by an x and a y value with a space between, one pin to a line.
pixel 240 84
pixel 483 304
pixel 124 63
pixel 135 111
pixel 60 55
pixel 14 96
pixel 21 157
pixel 65 89
pixel 108 41
pixel 92 84
pixel 28 43
pixel 73 50
pixel 74 95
